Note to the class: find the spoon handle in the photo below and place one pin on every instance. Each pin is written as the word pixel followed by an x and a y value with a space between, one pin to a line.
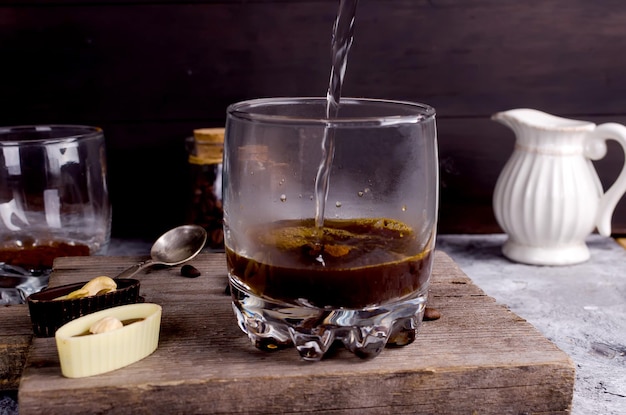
pixel 133 269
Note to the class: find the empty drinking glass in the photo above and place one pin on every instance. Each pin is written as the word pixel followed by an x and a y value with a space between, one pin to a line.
pixel 54 199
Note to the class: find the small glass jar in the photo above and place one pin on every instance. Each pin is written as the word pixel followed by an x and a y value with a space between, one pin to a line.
pixel 206 151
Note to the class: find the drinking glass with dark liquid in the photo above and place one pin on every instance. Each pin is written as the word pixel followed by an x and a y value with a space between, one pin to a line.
pixel 330 223
pixel 54 200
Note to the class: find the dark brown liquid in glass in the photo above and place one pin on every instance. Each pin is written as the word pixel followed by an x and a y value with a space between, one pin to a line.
pixel 40 255
pixel 353 263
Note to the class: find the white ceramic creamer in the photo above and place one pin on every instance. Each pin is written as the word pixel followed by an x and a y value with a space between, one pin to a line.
pixel 548 197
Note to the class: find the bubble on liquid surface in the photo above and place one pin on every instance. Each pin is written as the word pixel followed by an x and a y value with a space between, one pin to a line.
pixel 404 208
pixel 360 194
pixel 283 198
pixel 338 204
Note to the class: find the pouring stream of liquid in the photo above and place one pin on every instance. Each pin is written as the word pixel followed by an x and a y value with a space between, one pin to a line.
pixel 343 32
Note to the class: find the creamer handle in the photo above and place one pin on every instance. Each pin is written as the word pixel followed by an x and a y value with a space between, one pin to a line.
pixel 595 149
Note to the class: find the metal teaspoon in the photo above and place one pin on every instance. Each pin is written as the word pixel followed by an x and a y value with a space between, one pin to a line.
pixel 174 247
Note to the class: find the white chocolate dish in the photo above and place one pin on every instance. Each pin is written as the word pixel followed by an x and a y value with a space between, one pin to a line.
pixel 108 340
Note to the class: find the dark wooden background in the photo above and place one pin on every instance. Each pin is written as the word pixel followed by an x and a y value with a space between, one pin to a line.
pixel 149 72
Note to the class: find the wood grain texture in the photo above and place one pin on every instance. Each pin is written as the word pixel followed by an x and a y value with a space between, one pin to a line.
pixel 15 340
pixel 478 357
pixel 150 71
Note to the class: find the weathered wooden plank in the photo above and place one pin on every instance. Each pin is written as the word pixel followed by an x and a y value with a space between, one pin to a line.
pixel 116 62
pixel 151 71
pixel 478 356
pixel 15 340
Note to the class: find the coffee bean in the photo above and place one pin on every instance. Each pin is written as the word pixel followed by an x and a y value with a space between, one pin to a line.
pixel 431 314
pixel 190 271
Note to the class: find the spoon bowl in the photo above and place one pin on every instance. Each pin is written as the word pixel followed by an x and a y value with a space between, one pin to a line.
pixel 174 247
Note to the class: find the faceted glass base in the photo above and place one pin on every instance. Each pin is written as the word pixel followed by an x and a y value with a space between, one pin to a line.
pixel 272 325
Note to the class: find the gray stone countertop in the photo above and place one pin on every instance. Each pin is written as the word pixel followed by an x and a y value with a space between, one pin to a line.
pixel 581 308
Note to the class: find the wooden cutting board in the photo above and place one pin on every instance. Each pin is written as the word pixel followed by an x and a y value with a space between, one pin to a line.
pixel 15 339
pixel 478 358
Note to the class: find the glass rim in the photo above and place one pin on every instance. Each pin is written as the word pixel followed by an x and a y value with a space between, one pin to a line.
pixel 245 110
pixel 75 132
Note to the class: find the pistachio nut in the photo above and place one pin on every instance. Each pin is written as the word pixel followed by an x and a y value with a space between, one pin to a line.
pixel 105 324
pixel 96 286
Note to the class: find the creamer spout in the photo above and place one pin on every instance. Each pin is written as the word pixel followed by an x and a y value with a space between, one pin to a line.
pixel 541 120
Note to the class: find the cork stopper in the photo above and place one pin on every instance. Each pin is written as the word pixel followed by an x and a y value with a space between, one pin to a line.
pixel 209 144
pixel 209 135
